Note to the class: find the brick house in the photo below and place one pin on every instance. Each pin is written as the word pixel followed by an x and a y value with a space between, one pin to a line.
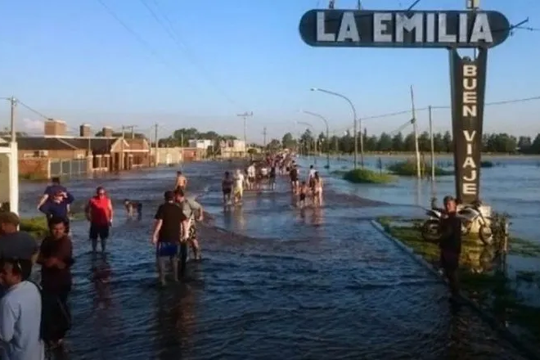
pixel 56 153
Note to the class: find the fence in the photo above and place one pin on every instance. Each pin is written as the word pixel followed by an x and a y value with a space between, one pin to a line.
pixel 72 167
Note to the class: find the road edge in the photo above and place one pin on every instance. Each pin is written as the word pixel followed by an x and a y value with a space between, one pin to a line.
pixel 527 349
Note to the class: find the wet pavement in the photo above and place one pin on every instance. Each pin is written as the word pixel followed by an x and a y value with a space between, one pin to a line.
pixel 275 282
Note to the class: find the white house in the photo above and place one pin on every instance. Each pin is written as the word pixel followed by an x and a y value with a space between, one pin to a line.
pixel 200 144
pixel 233 148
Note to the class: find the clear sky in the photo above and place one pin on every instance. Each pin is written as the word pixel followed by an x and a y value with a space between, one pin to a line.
pixel 72 60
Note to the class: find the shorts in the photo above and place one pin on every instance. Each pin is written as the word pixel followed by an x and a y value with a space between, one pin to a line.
pixel 227 191
pixel 251 179
pixel 239 191
pixel 294 179
pixel 167 249
pixel 302 197
pixel 180 188
pixel 101 231
pixel 192 234
pixel 449 260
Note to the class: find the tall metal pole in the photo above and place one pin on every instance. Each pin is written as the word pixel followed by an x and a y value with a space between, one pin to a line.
pixel 122 148
pixel 13 102
pixel 156 148
pixel 415 126
pixel 245 116
pixel 354 120
pixel 432 147
pixel 433 190
pixel 361 144
pixel 327 135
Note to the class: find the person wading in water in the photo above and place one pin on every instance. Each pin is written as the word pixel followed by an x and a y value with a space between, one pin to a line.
pixel 193 212
pixel 51 190
pixel 181 182
pixel 56 259
pixel 170 229
pixel 58 207
pixel 226 187
pixel 99 212
pixel 450 245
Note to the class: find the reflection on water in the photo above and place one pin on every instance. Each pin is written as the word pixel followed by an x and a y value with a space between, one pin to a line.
pixel 101 278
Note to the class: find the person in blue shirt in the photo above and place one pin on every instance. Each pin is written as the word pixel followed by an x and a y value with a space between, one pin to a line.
pixel 50 190
pixel 58 207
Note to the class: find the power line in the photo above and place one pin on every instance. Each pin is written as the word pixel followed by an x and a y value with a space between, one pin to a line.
pixel 139 38
pixel 446 107
pixel 183 47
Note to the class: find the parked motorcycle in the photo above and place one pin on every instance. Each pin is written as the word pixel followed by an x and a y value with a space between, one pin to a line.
pixel 471 214
pixel 431 229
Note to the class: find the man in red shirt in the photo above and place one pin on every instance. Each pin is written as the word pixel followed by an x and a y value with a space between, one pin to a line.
pixel 99 212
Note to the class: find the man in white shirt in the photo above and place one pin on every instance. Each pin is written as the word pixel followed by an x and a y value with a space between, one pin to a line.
pixel 238 186
pixel 20 315
pixel 251 176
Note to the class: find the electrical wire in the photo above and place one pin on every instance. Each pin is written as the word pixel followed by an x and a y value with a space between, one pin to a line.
pixel 143 42
pixel 169 28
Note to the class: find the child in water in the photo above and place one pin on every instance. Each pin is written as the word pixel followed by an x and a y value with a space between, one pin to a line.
pixel 303 193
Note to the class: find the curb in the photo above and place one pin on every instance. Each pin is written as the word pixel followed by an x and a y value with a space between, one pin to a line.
pixel 527 350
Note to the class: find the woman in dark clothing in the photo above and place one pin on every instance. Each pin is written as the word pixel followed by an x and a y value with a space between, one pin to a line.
pixel 56 259
pixel 58 207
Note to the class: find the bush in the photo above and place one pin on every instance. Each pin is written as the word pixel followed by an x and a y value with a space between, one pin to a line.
pixel 36 226
pixel 365 176
pixel 408 168
pixel 486 164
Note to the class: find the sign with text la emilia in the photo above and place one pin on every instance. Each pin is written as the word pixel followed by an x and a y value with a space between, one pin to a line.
pixel 408 29
pixel 428 29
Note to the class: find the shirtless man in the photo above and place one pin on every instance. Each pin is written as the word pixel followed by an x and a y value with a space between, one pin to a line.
pixel 181 182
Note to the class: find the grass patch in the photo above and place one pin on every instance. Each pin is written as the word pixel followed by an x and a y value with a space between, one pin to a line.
pixel 481 277
pixel 365 176
pixel 408 168
pixel 36 226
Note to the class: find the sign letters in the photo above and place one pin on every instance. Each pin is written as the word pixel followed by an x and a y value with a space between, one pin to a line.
pixel 412 29
pixel 427 29
pixel 468 91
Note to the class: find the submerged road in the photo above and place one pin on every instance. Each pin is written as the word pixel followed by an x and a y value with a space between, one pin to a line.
pixel 275 283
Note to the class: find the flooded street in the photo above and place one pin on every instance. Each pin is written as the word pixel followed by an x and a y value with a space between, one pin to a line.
pixel 275 282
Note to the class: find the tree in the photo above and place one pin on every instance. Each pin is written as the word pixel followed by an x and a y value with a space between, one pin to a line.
pixel 397 142
pixel 385 142
pixel 448 144
pixel 274 145
pixel 288 141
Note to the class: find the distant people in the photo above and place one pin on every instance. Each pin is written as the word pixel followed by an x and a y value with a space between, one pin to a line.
pixel 194 212
pixel 133 208
pixel 181 181
pixel 99 212
pixel 450 245
pixel 311 177
pixel 303 194
pixel 15 244
pixel 51 190
pixel 317 189
pixel 20 323
pixel 272 177
pixel 251 176
pixel 238 187
pixel 293 174
pixel 58 207
pixel 226 187
pixel 56 259
pixel 167 235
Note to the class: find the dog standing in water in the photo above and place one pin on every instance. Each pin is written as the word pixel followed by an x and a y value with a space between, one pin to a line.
pixel 132 208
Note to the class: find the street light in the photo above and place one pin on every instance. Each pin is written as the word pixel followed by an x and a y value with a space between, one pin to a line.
pixel 355 126
pixel 314 142
pixel 327 134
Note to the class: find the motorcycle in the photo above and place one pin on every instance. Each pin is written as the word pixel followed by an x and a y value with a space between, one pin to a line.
pixel 471 214
pixel 431 229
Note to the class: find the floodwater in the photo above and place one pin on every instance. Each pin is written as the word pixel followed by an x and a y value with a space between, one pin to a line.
pixel 275 282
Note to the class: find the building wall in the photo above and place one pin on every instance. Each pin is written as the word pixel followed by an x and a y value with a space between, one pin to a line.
pixel 34 168
pixel 193 154
pixel 55 154
pixel 168 156
pixel 200 144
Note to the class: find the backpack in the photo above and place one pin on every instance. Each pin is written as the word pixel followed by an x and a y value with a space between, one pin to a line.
pixel 49 324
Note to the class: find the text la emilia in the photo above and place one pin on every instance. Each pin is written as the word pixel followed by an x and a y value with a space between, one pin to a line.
pixel 436 29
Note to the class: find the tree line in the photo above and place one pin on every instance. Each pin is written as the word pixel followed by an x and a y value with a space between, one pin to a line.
pixel 182 136
pixel 398 142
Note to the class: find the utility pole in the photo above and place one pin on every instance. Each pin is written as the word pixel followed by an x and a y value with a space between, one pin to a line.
pixel 124 128
pixel 245 116
pixel 415 126
pixel 432 153
pixel 264 133
pixel 13 102
pixel 156 148
pixel 361 144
